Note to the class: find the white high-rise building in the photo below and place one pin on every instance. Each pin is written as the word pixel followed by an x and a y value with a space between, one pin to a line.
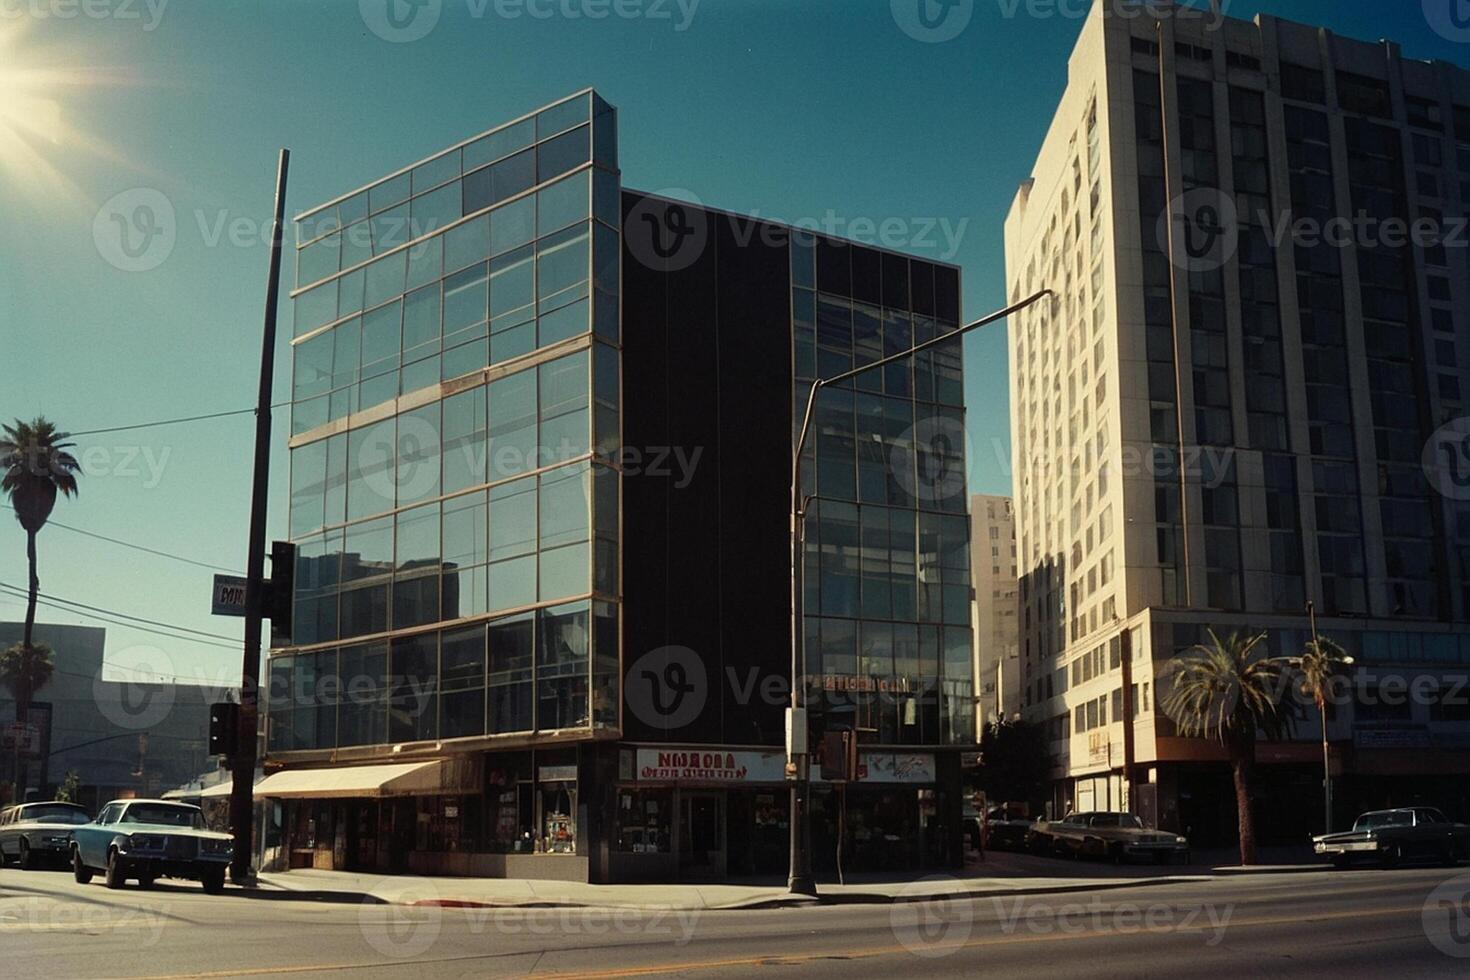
pixel 997 642
pixel 1303 380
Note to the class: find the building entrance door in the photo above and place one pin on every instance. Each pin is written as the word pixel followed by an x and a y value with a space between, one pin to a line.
pixel 702 834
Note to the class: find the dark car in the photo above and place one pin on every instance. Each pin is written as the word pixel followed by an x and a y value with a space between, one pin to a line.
pixel 1107 835
pixel 1392 836
pixel 1005 830
pixel 37 833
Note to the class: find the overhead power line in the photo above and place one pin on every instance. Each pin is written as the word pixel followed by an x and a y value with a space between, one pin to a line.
pixel 173 421
pixel 137 547
pixel 124 619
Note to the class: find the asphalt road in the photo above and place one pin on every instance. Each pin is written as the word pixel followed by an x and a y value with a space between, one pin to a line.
pixel 1341 924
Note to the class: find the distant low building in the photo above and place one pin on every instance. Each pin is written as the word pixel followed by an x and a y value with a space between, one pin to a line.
pixel 122 738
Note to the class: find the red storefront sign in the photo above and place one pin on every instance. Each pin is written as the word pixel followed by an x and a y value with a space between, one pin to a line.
pixel 693 765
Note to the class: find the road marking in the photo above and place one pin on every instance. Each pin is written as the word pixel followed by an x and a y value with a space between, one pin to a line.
pixel 793 959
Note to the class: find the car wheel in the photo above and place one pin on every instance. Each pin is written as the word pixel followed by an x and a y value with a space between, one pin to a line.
pixel 116 875
pixel 1340 861
pixel 1391 856
pixel 213 881
pixel 27 856
pixel 1447 856
pixel 79 871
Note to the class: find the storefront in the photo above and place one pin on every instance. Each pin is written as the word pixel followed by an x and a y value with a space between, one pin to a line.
pixel 711 812
pixel 698 813
pixel 505 814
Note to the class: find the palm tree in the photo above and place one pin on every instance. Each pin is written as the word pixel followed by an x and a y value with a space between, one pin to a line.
pixel 24 670
pixel 1228 691
pixel 34 467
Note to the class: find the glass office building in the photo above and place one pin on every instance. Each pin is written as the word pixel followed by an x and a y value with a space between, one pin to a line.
pixel 476 346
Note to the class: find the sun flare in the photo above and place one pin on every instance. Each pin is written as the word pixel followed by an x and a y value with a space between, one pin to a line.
pixel 39 137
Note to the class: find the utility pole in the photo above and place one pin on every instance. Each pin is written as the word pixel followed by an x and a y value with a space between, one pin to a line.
pixel 242 797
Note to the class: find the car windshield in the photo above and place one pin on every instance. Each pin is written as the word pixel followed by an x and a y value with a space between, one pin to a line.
pixel 1127 820
pixel 163 813
pixel 54 814
pixel 1384 818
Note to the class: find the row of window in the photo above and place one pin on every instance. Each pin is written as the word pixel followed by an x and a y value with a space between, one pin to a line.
pixel 553 142
pixel 488 313
pixel 522 422
pixel 550 669
pixel 534 539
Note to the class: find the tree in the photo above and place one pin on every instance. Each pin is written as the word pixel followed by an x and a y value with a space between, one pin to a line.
pixel 70 788
pixel 34 467
pixel 1228 691
pixel 24 670
pixel 1321 661
pixel 1015 762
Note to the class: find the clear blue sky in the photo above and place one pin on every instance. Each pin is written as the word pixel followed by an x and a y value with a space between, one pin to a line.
pixel 788 108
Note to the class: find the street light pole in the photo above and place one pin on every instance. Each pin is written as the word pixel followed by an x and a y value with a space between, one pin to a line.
pixel 1322 710
pixel 799 878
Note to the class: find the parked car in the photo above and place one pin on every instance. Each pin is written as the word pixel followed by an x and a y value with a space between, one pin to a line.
pixel 1106 835
pixel 148 839
pixel 1392 836
pixel 1006 830
pixel 37 833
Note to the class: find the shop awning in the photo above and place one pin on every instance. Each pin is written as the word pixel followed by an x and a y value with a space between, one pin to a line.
pixel 397 779
pixel 217 791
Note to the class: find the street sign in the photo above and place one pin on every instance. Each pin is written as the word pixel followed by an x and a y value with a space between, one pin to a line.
pixel 229 596
pixel 18 736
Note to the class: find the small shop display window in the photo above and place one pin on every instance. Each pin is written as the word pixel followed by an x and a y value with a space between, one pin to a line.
pixel 644 820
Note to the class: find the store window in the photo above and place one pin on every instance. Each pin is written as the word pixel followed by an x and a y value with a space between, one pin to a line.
pixel 558 814
pixel 644 821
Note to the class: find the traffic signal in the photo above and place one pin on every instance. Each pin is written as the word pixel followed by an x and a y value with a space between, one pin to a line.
pixel 279 597
pixel 839 756
pixel 224 727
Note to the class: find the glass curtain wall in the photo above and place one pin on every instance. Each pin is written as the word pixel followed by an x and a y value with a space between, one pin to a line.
pixel 455 422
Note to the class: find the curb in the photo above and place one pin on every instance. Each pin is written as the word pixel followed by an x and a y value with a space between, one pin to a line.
pixel 803 901
pixel 1268 869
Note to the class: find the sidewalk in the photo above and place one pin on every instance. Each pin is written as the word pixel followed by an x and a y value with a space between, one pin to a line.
pixel 526 893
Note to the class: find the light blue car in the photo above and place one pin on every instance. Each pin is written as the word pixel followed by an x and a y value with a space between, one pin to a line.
pixel 148 839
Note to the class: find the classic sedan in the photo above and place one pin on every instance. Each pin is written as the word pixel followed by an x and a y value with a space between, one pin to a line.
pixel 1005 831
pixel 37 833
pixel 1112 836
pixel 148 839
pixel 1392 836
